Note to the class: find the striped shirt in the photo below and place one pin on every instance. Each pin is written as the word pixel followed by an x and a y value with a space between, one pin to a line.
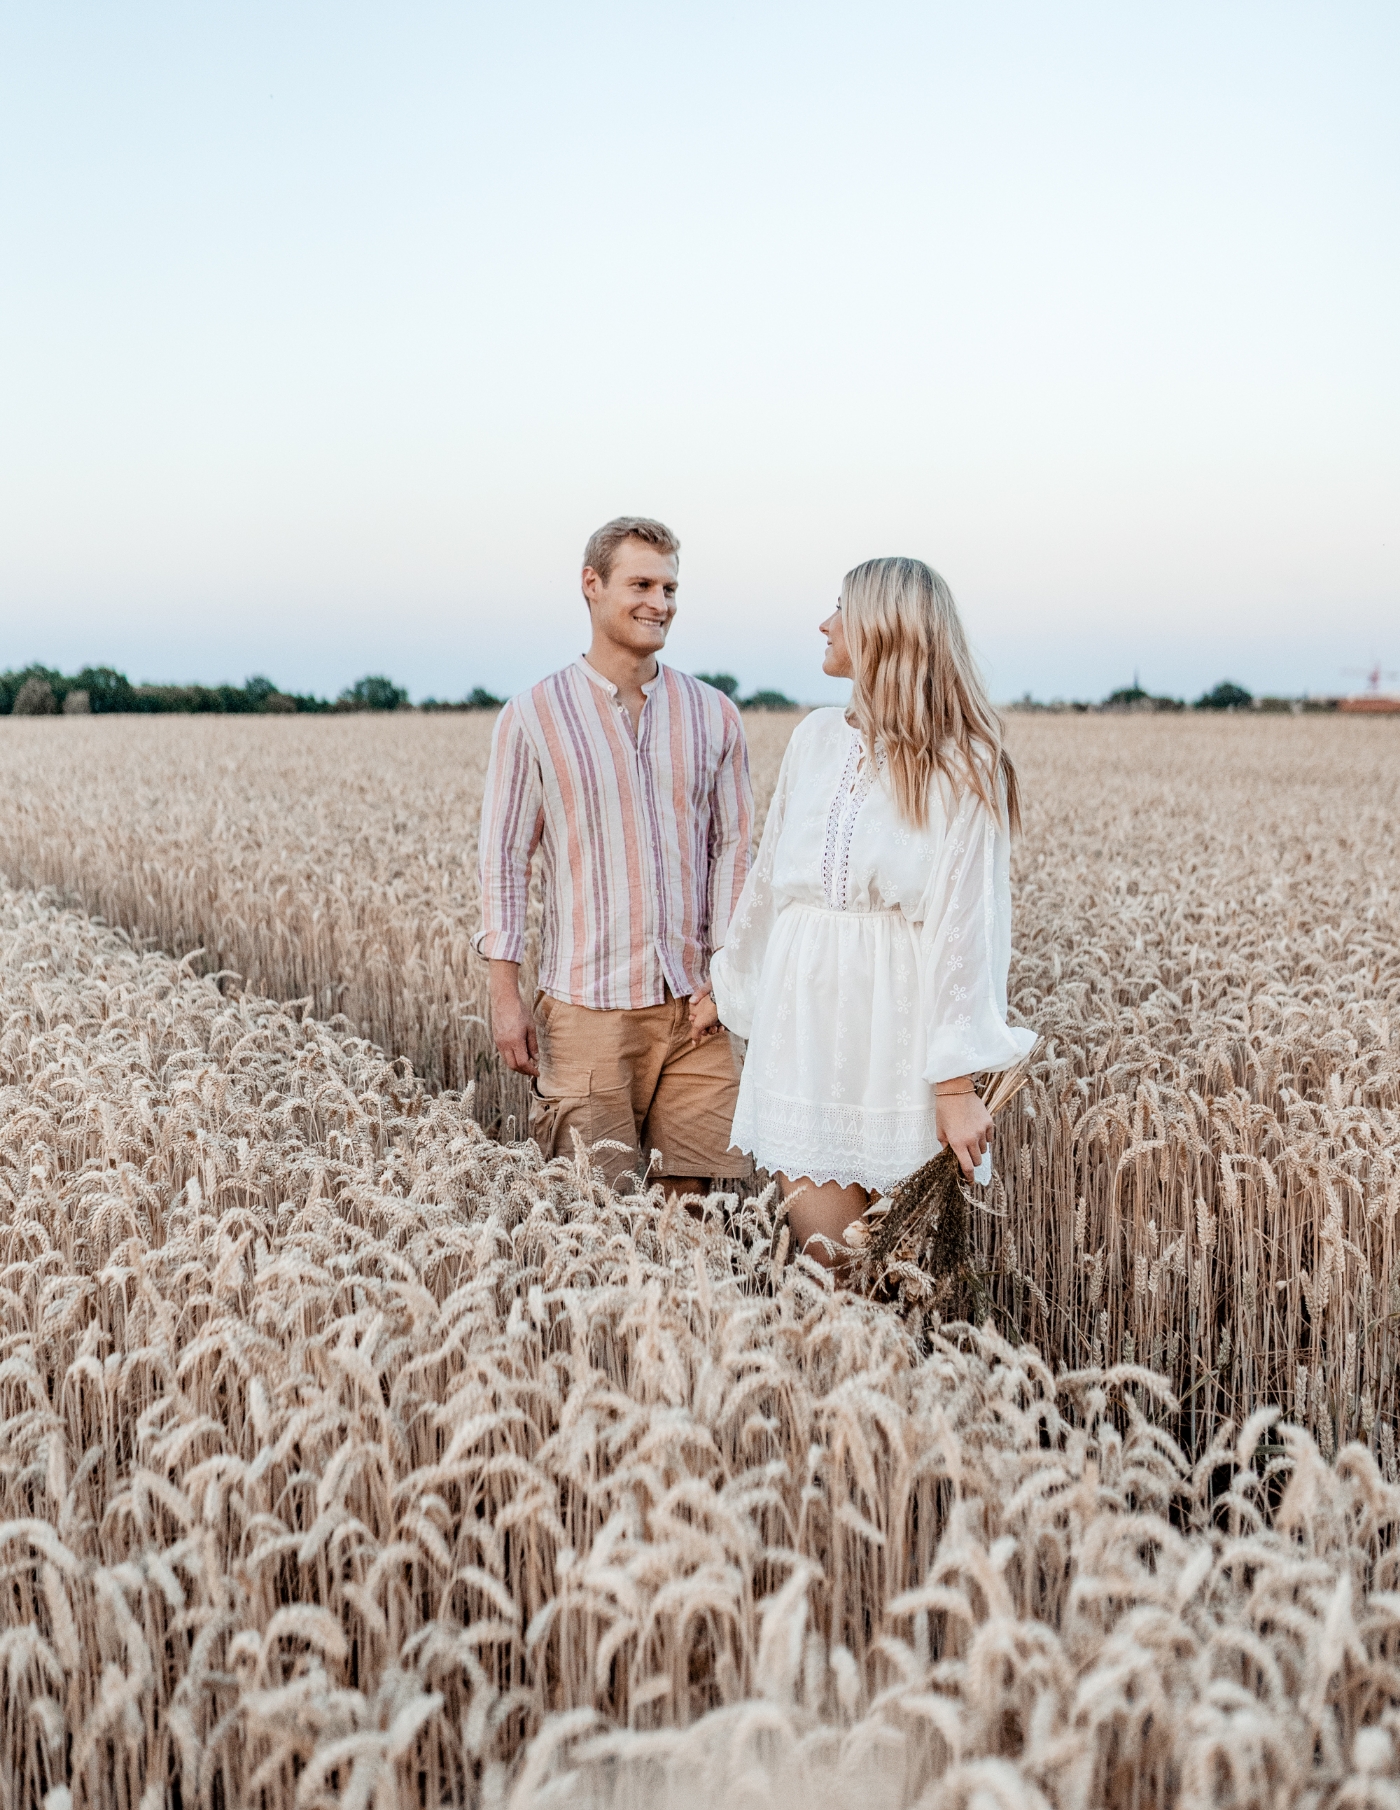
pixel 645 838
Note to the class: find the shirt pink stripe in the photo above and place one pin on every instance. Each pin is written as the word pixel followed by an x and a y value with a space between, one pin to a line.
pixel 644 841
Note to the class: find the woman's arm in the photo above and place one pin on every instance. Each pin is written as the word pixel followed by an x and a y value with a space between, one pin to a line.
pixel 964 1124
pixel 966 951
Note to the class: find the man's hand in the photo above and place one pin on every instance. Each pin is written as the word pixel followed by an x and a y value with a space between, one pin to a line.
pixel 704 1015
pixel 512 1025
pixel 964 1125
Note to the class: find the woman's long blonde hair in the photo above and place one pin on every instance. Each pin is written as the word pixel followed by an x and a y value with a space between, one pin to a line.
pixel 918 695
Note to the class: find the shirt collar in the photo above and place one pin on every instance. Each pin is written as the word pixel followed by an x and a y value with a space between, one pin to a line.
pixel 607 685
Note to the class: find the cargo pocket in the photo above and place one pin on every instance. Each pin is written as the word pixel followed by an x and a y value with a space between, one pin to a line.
pixel 599 1116
pixel 610 1130
pixel 544 1119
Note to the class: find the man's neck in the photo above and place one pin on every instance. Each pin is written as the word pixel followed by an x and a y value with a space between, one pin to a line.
pixel 628 671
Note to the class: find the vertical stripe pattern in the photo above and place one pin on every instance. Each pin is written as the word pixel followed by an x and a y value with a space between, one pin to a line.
pixel 644 840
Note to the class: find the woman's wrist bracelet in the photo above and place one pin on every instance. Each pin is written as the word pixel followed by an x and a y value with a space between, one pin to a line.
pixel 948 1093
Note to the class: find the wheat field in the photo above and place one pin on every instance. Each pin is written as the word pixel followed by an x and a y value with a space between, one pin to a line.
pixel 351 1456
pixel 1204 1176
pixel 332 860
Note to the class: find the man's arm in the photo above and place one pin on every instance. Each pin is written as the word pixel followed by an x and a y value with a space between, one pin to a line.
pixel 512 1027
pixel 512 816
pixel 731 828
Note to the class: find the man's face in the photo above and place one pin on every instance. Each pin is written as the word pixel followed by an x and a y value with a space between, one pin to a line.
pixel 635 607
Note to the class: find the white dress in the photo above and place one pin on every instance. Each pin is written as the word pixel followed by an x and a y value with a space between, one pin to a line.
pixel 866 960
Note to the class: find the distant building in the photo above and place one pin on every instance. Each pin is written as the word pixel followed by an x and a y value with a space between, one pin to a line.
pixel 1370 703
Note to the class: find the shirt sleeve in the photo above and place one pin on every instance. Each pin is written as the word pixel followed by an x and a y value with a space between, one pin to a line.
pixel 965 949
pixel 735 969
pixel 512 818
pixel 731 826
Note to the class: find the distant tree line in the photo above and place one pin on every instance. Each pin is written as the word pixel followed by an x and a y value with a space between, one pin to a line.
pixel 1227 695
pixel 102 691
pixel 478 698
pixel 757 700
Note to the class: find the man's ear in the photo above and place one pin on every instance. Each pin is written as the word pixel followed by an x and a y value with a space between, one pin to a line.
pixel 591 584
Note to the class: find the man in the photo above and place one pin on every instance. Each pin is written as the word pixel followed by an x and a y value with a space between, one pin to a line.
pixel 632 779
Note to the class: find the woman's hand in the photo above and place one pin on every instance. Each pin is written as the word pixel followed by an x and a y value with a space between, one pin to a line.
pixel 704 1015
pixel 964 1125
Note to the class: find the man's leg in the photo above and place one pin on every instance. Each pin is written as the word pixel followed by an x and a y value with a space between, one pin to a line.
pixel 595 1077
pixel 677 1185
pixel 691 1112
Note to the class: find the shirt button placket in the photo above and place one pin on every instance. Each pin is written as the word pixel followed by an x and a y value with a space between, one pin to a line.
pixel 660 978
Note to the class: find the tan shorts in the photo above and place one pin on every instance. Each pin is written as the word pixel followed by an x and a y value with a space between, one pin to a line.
pixel 637 1078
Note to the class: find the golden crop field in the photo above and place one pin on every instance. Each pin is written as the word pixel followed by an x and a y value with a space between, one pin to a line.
pixel 350 1456
pixel 332 860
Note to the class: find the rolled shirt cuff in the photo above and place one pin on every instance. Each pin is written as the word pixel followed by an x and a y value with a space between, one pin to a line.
pixel 500 945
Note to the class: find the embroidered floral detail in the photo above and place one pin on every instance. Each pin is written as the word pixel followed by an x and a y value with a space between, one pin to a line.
pixel 857 777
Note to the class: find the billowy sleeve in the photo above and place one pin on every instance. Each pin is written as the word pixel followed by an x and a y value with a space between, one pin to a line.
pixel 735 969
pixel 965 949
pixel 512 817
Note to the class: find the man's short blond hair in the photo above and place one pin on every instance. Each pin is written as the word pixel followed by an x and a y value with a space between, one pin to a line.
pixel 603 544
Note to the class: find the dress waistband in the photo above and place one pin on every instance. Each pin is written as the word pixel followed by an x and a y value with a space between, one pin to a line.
pixel 850 911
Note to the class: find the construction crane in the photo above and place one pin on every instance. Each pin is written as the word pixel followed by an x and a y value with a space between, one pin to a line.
pixel 1372 674
pixel 1373 699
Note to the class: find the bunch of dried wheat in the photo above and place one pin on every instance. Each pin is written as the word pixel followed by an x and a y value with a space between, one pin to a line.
pixel 914 1248
pixel 347 1457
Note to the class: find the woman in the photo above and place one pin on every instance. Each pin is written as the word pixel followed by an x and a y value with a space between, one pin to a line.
pixel 866 961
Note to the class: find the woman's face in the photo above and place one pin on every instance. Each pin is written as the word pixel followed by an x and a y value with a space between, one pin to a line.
pixel 837 661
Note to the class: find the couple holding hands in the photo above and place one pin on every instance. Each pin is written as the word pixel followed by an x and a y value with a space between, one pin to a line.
pixel 862 956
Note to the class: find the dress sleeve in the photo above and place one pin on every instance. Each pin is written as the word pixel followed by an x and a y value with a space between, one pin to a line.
pixel 734 970
pixel 965 949
pixel 512 816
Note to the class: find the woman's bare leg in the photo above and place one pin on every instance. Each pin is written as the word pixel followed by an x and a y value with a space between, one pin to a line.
pixel 826 1211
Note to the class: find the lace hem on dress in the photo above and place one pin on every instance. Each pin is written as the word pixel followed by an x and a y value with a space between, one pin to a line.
pixel 852 1145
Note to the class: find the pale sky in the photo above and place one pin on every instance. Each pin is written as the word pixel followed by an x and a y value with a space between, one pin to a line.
pixel 328 333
